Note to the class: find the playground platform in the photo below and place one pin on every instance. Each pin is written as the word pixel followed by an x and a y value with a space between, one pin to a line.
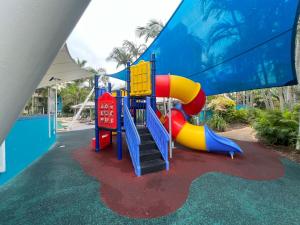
pixel 71 184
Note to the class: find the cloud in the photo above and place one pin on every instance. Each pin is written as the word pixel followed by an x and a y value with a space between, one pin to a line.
pixel 105 24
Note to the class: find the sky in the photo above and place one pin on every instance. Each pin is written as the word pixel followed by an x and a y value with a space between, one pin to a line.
pixel 105 24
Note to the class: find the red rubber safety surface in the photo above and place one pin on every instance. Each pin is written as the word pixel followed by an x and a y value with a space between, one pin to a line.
pixel 161 193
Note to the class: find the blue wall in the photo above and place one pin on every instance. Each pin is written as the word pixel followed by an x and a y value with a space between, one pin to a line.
pixel 205 116
pixel 27 141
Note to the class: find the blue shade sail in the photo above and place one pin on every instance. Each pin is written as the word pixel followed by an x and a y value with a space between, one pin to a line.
pixel 229 45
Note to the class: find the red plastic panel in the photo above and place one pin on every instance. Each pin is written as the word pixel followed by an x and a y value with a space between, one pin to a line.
pixel 162 86
pixel 104 138
pixel 107 111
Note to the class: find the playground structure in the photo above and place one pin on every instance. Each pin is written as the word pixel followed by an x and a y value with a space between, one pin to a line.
pixel 148 141
pixel 227 59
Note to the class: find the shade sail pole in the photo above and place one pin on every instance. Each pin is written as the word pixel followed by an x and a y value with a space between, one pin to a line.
pixel 81 108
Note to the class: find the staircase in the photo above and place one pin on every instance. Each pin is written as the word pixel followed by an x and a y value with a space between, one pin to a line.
pixel 150 157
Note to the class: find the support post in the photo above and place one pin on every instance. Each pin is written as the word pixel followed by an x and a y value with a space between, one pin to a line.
pixel 205 111
pixel 49 115
pixel 109 88
pixel 153 81
pixel 97 132
pixel 135 106
pixel 55 119
pixel 77 114
pixel 128 85
pixel 119 126
pixel 170 127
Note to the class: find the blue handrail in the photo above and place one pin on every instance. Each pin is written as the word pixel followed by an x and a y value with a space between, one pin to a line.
pixel 158 132
pixel 133 140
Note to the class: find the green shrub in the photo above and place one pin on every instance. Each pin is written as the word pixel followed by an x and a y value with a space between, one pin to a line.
pixel 221 104
pixel 253 114
pixel 236 116
pixel 217 123
pixel 279 128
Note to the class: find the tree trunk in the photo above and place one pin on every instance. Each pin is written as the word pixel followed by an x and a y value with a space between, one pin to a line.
pixel 244 97
pixel 265 98
pixel 251 99
pixel 281 99
pixel 298 138
pixel 290 97
pixel 294 96
pixel 297 87
pixel 237 98
pixel 270 100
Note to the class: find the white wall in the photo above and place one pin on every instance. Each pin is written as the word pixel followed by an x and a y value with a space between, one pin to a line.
pixel 32 32
pixel 2 158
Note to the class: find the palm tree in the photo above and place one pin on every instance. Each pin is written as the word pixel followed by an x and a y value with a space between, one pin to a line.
pixel 72 94
pixel 133 49
pixel 100 71
pixel 120 56
pixel 151 30
pixel 81 63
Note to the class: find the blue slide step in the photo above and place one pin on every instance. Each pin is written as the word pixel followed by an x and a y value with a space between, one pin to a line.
pixel 216 143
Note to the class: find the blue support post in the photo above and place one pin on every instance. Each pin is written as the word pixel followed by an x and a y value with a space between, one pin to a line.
pixel 109 87
pixel 128 85
pixel 134 110
pixel 101 91
pixel 119 126
pixel 97 132
pixel 153 81
pixel 109 91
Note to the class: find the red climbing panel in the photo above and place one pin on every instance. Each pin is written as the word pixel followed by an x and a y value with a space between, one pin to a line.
pixel 104 137
pixel 107 111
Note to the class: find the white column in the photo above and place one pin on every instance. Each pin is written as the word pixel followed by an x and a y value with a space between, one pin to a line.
pixel 55 115
pixel 49 114
pixel 2 158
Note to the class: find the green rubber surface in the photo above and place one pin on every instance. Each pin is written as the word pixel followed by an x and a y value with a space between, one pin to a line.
pixel 55 190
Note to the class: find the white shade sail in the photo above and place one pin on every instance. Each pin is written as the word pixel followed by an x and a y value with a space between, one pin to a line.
pixel 63 69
